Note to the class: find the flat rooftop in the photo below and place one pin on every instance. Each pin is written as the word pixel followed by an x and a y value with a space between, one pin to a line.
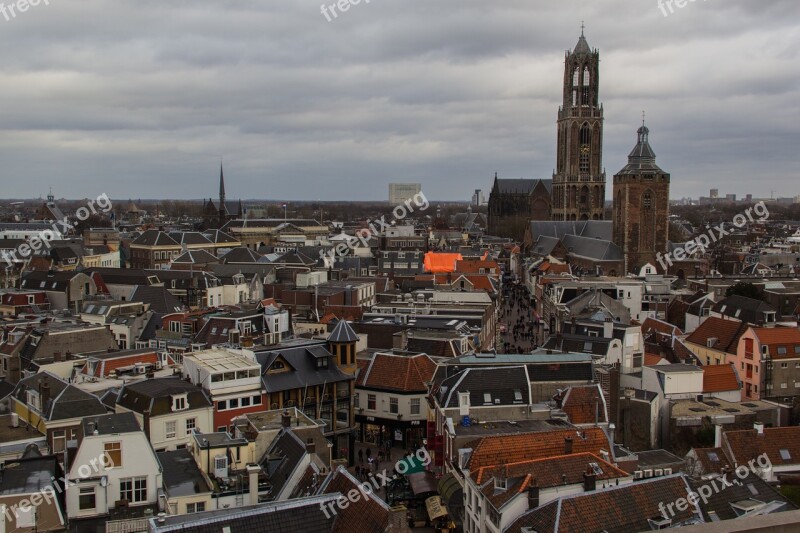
pixel 509 427
pixel 270 420
pixel 710 407
pixel 220 360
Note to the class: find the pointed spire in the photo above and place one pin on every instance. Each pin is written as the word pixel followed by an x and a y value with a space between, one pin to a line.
pixel 221 183
pixel 583 46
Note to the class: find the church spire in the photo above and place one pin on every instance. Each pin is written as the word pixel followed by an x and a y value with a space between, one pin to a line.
pixel 221 185
pixel 222 209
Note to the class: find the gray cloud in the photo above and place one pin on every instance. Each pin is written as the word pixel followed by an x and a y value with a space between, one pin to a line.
pixel 141 99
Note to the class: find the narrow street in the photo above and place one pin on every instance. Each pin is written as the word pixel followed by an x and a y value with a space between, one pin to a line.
pixel 516 315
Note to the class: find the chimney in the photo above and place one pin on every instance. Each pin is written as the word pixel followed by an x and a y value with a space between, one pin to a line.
pixel 13 369
pixel 252 476
pixel 44 393
pixel 759 427
pixel 717 435
pixel 286 419
pixel 533 496
pixel 146 422
pixel 57 357
pixel 608 329
pixel 589 480
pixel 567 445
pixel 398 519
pixel 611 428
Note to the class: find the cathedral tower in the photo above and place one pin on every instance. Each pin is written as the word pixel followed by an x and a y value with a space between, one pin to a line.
pixel 641 206
pixel 579 181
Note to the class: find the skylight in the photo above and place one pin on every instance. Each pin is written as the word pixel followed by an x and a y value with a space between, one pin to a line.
pixel 785 455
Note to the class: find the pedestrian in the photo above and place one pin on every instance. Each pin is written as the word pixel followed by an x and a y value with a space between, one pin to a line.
pixel 361 456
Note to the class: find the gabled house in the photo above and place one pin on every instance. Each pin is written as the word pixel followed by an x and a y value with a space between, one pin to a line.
pixel 390 397
pixel 168 409
pixel 64 290
pixel 495 496
pixel 54 408
pixel 716 339
pixel 123 470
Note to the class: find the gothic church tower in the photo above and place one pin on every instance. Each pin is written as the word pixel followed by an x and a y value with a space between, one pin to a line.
pixel 579 182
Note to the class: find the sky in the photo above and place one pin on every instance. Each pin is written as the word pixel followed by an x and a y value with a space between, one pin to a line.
pixel 144 98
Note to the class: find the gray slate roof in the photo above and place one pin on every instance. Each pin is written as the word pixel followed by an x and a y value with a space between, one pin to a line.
pixel 342 333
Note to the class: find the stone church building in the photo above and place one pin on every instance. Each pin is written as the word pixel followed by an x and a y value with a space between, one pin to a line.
pixel 577 189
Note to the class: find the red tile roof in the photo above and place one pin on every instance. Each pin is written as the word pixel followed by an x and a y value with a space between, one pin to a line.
pixel 651 359
pixel 397 372
pixel 472 266
pixel 711 460
pixel 720 378
pixel 366 515
pixel 615 510
pixel 543 473
pixel 502 449
pixel 744 445
pixel 726 333
pixel 787 339
pixel 585 405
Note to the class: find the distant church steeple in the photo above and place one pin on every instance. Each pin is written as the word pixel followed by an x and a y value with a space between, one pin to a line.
pixel 222 210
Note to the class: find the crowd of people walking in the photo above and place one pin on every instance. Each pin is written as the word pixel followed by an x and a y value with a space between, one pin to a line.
pixel 519 326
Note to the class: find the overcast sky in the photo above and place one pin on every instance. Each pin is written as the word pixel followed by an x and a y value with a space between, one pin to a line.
pixel 142 98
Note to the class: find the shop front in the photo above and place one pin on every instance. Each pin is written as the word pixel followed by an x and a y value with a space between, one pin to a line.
pixel 400 433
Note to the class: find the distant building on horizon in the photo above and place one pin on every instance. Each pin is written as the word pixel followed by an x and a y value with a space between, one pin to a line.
pixel 216 216
pixel 400 192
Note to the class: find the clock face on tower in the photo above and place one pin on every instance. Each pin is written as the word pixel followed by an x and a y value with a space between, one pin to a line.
pixel 585 149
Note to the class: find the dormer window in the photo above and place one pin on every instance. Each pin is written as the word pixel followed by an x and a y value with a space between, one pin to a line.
pixel 322 362
pixel 180 402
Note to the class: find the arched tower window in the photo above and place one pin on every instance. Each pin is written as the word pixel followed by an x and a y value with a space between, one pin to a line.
pixel 576 84
pixel 585 89
pixel 585 148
